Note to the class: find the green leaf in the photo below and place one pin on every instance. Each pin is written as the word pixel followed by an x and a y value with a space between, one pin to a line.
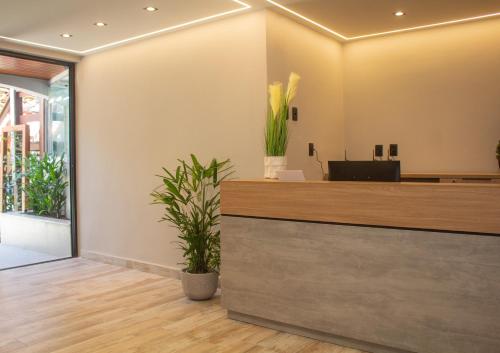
pixel 191 197
pixel 46 185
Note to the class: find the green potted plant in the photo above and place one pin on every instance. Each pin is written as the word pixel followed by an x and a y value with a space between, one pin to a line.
pixel 276 134
pixel 498 153
pixel 191 198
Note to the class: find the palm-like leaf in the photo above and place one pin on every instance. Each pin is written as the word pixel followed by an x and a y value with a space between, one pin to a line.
pixel 46 185
pixel 192 200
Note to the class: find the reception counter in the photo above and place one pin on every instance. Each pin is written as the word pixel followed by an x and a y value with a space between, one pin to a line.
pixel 452 177
pixel 383 267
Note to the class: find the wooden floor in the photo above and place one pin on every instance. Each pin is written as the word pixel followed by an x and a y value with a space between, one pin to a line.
pixel 83 306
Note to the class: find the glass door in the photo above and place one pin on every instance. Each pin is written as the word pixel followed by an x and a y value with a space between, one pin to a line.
pixel 37 198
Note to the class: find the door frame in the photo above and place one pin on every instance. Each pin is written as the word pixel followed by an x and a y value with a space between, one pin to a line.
pixel 72 136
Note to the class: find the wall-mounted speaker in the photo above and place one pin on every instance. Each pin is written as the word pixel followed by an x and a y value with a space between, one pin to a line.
pixel 295 113
pixel 393 150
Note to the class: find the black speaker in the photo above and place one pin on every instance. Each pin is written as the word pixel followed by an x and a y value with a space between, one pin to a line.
pixel 393 150
pixel 379 150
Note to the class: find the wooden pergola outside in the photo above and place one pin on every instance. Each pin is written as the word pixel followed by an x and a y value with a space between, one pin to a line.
pixel 15 125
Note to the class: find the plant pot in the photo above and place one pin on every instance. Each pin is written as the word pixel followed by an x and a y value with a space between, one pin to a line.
pixel 272 165
pixel 199 286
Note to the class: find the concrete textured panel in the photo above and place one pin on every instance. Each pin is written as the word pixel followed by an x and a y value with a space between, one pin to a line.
pixel 417 291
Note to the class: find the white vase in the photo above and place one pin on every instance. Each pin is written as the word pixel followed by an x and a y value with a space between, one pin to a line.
pixel 272 165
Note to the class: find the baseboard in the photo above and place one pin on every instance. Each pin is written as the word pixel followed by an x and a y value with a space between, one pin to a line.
pixel 317 335
pixel 161 270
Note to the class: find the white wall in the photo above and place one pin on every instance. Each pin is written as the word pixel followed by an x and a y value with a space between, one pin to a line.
pixel 434 92
pixel 318 60
pixel 142 106
pixel 203 90
pixel 38 51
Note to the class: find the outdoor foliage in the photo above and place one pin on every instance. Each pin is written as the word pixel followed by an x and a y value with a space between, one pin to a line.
pixel 191 197
pixel 12 186
pixel 276 133
pixel 46 186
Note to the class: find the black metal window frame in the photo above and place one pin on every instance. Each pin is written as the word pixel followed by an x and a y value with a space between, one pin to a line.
pixel 72 137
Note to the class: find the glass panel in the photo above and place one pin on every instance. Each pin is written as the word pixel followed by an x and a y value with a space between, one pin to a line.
pixel 35 218
pixel 58 116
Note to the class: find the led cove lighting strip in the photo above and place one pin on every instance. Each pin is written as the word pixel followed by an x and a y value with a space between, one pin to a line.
pixel 244 6
pixel 308 20
pixel 380 33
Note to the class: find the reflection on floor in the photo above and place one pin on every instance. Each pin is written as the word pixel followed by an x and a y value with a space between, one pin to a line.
pixel 11 256
pixel 80 306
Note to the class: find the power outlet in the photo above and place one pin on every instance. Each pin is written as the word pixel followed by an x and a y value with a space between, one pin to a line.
pixel 311 149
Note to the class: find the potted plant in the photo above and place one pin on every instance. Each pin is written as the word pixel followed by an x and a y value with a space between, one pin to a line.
pixel 191 198
pixel 498 153
pixel 276 133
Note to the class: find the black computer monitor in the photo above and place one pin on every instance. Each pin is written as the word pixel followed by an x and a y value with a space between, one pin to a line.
pixel 364 171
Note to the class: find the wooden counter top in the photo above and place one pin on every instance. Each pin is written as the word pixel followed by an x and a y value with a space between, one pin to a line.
pixel 451 175
pixel 473 208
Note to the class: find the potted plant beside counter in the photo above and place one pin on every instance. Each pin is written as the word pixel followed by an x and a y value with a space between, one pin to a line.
pixel 191 198
pixel 276 133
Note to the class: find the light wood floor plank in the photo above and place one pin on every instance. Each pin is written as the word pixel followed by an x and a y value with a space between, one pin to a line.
pixel 81 306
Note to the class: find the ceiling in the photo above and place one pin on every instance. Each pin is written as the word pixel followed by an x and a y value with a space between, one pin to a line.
pixel 41 23
pixel 29 68
pixel 355 19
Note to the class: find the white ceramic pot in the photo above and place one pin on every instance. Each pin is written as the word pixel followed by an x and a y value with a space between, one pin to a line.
pixel 272 165
pixel 199 286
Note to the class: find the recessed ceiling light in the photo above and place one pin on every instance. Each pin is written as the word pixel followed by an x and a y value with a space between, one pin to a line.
pixel 66 35
pixel 151 9
pixel 243 7
pixel 401 30
pixel 100 24
pixel 399 13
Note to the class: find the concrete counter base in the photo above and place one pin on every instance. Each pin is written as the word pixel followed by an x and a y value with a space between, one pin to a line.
pixel 318 335
pixel 391 289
